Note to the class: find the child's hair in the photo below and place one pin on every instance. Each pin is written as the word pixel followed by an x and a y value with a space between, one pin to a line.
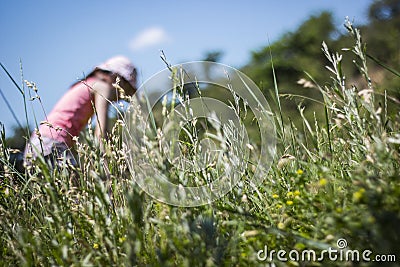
pixel 93 73
pixel 118 65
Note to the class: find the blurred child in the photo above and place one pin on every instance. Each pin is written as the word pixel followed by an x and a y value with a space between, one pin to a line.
pixel 54 138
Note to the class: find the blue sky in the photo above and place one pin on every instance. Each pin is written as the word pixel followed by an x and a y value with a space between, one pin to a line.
pixel 59 41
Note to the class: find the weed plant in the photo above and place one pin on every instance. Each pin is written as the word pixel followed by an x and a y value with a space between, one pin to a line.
pixel 331 179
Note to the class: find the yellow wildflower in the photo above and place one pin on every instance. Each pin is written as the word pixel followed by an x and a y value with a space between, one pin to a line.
pixel 357 196
pixel 289 202
pixel 322 182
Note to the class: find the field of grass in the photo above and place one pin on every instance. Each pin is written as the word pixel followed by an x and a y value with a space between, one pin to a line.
pixel 331 180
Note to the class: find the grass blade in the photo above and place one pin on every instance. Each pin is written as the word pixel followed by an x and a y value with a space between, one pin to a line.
pixel 12 79
pixel 380 63
pixel 10 108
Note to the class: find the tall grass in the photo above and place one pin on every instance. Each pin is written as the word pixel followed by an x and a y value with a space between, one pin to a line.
pixel 332 179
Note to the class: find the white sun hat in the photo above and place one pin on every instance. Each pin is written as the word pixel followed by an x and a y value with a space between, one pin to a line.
pixel 122 66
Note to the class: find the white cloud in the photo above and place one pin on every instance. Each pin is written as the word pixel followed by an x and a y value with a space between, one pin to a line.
pixel 149 37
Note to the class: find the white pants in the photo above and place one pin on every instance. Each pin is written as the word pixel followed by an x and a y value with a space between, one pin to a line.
pixel 54 151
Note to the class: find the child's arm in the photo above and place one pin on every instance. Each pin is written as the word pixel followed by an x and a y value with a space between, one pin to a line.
pixel 103 95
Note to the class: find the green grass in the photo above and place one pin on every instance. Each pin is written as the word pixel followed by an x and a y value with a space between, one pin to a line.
pixel 332 179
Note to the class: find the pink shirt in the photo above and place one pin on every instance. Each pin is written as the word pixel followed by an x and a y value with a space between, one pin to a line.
pixel 71 113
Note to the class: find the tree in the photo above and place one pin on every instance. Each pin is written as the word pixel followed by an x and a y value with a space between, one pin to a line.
pixel 382 35
pixel 292 54
pixel 299 51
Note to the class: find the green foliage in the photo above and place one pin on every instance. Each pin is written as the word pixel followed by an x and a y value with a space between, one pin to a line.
pixel 288 58
pixel 292 52
pixel 382 36
pixel 335 179
pixel 299 51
